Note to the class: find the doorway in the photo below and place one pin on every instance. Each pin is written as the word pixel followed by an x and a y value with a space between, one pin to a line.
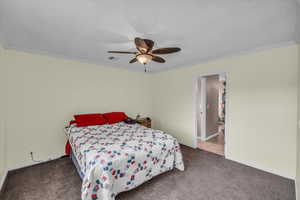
pixel 210 113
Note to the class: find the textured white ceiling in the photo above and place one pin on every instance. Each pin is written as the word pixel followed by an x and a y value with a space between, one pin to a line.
pixel 86 29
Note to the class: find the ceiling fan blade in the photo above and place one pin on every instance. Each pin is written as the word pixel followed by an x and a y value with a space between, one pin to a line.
pixel 166 50
pixel 149 43
pixel 133 60
pixel 139 42
pixel 143 45
pixel 158 59
pixel 125 52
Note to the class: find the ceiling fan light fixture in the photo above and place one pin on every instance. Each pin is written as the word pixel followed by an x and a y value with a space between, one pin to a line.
pixel 146 53
pixel 144 58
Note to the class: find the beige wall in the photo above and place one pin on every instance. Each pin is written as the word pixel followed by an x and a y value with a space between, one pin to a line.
pixel 298 140
pixel 45 92
pixel 261 107
pixel 298 136
pixel 2 117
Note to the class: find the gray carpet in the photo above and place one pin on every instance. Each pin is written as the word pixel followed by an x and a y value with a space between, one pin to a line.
pixel 207 177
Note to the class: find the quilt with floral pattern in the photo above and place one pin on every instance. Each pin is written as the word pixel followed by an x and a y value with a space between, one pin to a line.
pixel 119 157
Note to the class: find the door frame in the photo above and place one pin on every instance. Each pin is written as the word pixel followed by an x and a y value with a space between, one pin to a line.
pixel 195 102
pixel 203 100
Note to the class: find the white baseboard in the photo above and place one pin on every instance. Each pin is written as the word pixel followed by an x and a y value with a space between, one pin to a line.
pixel 32 164
pixel 296 190
pixel 211 136
pixel 3 179
pixel 188 145
pixel 20 167
pixel 297 182
pixel 256 166
pixel 208 138
pixel 253 165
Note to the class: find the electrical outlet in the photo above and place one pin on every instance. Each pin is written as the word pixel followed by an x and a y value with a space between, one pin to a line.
pixel 32 158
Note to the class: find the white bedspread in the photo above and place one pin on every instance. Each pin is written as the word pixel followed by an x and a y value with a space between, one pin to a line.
pixel 119 157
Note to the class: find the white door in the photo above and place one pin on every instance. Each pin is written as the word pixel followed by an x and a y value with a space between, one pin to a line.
pixel 201 108
pixel 212 105
pixel 208 99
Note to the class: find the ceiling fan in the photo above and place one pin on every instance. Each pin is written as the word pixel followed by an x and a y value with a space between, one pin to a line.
pixel 145 52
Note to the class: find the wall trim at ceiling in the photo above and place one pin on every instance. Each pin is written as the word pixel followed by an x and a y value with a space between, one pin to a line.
pixel 237 54
pixel 206 60
pixel 57 56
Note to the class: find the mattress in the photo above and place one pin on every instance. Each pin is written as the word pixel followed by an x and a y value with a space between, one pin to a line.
pixel 119 157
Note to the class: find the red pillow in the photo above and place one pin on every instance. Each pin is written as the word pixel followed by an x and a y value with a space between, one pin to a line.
pixel 89 119
pixel 72 122
pixel 115 117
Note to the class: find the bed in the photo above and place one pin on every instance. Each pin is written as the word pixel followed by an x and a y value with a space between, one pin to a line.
pixel 113 158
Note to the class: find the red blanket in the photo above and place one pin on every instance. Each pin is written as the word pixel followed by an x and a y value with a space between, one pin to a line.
pixel 68 148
